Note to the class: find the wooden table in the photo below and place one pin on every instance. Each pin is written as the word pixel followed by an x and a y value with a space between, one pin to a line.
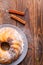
pixel 33 29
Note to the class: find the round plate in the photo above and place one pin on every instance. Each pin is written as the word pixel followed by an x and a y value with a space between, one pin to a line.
pixel 22 56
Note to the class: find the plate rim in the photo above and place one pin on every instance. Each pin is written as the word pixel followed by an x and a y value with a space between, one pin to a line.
pixel 26 42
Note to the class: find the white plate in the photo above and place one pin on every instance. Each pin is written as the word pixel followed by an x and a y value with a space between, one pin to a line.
pixel 20 59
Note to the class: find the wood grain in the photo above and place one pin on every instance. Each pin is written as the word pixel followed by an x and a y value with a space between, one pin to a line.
pixel 33 28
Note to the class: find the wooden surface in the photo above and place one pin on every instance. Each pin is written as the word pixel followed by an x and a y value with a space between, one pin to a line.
pixel 33 29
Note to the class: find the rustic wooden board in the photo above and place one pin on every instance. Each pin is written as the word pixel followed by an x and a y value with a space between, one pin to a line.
pixel 33 29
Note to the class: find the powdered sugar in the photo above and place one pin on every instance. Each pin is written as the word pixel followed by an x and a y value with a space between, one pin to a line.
pixel 15 35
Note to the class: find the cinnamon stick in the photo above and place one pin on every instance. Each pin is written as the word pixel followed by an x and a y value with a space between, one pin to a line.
pixel 16 12
pixel 18 19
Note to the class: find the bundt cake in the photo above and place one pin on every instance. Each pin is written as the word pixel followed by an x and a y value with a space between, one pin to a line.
pixel 11 45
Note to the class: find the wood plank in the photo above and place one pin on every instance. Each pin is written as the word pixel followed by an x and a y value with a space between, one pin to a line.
pixel 38 44
pixel 29 21
pixel 5 6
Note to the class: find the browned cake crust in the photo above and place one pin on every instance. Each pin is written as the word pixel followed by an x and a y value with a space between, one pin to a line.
pixel 14 39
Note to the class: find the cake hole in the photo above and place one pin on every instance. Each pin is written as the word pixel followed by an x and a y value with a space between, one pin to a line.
pixel 5 46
